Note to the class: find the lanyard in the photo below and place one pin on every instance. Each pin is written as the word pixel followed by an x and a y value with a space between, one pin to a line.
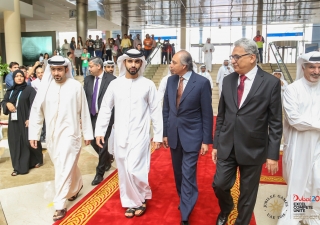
pixel 17 98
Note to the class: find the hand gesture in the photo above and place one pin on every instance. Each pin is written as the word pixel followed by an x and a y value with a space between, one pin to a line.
pixel 214 155
pixel 204 149
pixel 11 107
pixel 272 166
pixel 99 140
pixel 165 142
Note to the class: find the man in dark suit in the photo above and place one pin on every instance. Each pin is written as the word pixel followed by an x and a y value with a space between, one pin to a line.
pixel 187 126
pixel 95 87
pixel 248 131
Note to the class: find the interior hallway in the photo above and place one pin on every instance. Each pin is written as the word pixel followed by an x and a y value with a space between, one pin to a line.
pixel 27 199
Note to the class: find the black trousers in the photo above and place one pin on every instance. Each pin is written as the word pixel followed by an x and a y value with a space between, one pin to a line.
pixel 79 65
pixel 109 54
pixel 224 180
pixel 104 156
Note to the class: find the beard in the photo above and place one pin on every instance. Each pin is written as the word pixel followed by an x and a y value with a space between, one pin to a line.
pixel 133 70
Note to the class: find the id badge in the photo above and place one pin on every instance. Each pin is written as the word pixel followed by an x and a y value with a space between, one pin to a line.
pixel 14 116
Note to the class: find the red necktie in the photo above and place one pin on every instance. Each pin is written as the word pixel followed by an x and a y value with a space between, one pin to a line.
pixel 179 91
pixel 241 88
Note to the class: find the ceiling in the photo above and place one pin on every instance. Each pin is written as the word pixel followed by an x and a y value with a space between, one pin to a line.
pixel 139 14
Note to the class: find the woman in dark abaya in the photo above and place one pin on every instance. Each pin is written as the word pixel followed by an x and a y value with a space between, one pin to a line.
pixel 17 104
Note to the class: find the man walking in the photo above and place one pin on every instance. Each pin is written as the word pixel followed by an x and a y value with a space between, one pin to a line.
pixel 135 100
pixel 61 101
pixel 248 131
pixel 187 126
pixel 95 87
pixel 301 151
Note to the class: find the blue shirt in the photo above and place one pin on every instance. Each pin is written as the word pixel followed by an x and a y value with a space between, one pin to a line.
pixel 9 80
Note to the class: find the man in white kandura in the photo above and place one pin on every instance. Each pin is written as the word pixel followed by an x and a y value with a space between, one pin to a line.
pixel 61 101
pixel 301 153
pixel 278 74
pixel 208 49
pixel 224 70
pixel 163 85
pixel 136 101
pixel 206 74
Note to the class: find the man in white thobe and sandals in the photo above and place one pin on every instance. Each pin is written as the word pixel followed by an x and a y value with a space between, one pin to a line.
pixel 208 49
pixel 136 101
pixel 301 153
pixel 61 101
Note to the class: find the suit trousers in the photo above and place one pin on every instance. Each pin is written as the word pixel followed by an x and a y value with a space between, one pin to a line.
pixel 104 156
pixel 224 180
pixel 185 168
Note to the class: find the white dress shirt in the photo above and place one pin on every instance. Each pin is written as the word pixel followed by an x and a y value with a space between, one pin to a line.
pixel 186 78
pixel 248 83
pixel 99 84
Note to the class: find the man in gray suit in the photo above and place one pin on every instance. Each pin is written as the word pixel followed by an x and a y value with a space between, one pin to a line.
pixel 248 131
pixel 95 87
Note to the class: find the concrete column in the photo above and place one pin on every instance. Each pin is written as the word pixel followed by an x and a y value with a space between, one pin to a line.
pixel 124 27
pixel 183 33
pixel 108 34
pixel 12 34
pixel 82 19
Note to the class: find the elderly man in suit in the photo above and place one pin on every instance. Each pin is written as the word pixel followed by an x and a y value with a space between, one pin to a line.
pixel 248 131
pixel 187 126
pixel 95 87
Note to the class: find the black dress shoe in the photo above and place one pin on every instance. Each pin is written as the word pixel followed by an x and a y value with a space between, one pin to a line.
pixel 185 223
pixel 108 166
pixel 222 219
pixel 97 180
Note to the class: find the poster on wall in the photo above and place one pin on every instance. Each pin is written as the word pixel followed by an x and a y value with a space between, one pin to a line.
pixel 33 46
pixel 311 47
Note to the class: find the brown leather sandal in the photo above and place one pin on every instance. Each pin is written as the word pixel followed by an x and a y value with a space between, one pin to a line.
pixel 14 173
pixel 75 196
pixel 59 214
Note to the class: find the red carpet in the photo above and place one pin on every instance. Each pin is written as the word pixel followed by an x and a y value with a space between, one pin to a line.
pixel 102 204
pixel 277 178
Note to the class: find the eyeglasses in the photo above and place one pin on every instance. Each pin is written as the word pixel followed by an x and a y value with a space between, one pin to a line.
pixel 237 57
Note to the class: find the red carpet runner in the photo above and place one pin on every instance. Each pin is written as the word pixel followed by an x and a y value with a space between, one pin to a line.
pixel 102 204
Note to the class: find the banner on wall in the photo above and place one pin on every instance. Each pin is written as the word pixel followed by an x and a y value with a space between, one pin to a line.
pixel 311 47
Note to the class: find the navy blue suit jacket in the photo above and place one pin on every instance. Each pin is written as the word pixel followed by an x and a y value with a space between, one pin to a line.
pixel 192 121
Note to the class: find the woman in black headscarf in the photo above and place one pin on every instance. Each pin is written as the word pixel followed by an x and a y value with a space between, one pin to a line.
pixel 17 104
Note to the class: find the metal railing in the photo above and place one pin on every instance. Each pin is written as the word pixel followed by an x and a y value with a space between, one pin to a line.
pixel 153 54
pixel 280 63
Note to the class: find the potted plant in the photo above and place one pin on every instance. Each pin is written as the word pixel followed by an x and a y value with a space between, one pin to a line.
pixel 4 69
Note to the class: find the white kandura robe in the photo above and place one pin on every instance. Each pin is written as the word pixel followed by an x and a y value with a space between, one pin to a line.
pixel 136 103
pixel 301 153
pixel 62 109
pixel 223 72
pixel 208 55
pixel 162 87
pixel 208 76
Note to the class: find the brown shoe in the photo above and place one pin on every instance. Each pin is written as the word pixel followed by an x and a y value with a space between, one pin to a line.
pixel 75 196
pixel 59 214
